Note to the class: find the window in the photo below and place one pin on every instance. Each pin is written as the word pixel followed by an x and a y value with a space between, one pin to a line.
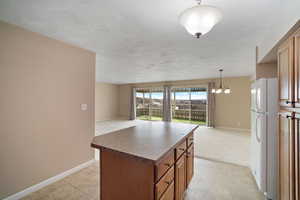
pixel 149 103
pixel 189 105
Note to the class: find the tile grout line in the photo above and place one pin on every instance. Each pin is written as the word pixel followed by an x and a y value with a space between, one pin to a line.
pixel 85 194
pixel 77 188
pixel 219 161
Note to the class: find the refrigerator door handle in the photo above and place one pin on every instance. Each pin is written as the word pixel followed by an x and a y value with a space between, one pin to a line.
pixel 256 130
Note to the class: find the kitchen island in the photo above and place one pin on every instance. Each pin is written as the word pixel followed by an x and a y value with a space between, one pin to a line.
pixel 150 161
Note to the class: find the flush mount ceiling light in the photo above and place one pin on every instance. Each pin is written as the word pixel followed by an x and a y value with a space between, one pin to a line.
pixel 200 19
pixel 221 88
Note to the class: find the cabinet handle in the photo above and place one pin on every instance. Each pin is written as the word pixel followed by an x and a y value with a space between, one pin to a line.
pixel 181 149
pixel 191 139
pixel 290 117
pixel 290 102
pixel 168 164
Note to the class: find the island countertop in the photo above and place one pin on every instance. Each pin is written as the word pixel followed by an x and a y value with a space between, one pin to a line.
pixel 147 140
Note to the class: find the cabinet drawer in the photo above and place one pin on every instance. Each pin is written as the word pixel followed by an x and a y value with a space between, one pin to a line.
pixel 190 140
pixel 164 182
pixel 179 150
pixel 169 194
pixel 162 167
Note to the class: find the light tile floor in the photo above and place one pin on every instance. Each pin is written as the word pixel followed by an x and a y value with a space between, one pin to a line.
pixel 211 181
pixel 223 145
pixel 221 181
pixel 83 184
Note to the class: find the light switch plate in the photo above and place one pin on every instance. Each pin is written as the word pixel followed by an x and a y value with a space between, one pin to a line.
pixel 83 107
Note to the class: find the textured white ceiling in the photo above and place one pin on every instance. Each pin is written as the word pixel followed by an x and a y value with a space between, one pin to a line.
pixel 142 41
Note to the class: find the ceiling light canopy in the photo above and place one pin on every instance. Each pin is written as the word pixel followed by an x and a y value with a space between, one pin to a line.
pixel 200 19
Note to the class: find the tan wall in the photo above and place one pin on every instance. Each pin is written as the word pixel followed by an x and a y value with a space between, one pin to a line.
pixel 42 84
pixel 107 101
pixel 124 101
pixel 232 111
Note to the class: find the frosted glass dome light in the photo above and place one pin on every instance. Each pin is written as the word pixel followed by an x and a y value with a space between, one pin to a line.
pixel 200 19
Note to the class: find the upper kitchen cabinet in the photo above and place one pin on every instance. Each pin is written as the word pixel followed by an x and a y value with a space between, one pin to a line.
pixel 285 73
pixel 297 68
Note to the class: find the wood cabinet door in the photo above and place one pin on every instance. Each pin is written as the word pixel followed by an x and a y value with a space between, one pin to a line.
pixel 297 157
pixel 169 194
pixel 285 73
pixel 180 178
pixel 189 164
pixel 286 175
pixel 297 69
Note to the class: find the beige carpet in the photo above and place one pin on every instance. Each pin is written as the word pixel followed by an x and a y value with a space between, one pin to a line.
pixel 223 145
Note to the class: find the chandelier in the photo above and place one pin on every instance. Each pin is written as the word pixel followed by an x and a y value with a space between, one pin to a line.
pixel 221 88
pixel 200 19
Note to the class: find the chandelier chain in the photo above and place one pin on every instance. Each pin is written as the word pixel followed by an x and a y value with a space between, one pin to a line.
pixel 221 78
pixel 199 1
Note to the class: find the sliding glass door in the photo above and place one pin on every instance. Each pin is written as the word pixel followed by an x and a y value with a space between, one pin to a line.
pixel 143 104
pixel 149 103
pixel 189 105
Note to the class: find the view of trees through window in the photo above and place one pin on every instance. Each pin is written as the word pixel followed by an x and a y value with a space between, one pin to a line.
pixel 188 104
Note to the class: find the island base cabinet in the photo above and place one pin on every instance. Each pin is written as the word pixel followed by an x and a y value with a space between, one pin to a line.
pixel 125 177
pixel 180 177
pixel 189 164
pixel 129 177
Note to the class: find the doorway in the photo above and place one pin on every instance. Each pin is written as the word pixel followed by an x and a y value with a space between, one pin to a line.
pixel 189 105
pixel 149 104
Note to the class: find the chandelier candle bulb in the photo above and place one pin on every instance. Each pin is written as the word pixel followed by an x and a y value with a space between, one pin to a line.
pixel 227 91
pixel 219 91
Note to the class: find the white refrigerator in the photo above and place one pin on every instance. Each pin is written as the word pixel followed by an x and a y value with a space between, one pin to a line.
pixel 264 139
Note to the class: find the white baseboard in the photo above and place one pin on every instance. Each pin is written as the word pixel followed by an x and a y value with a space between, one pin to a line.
pixel 234 129
pixel 49 181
